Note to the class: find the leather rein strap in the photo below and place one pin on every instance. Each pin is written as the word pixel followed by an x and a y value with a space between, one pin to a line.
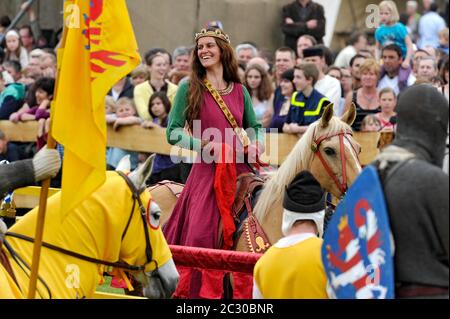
pixel 77 255
pixel 342 186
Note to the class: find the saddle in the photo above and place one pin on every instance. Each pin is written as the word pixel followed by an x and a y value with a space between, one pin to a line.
pixel 246 185
pixel 174 187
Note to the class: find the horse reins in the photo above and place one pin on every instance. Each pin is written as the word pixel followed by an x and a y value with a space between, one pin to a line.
pixel 148 249
pixel 342 186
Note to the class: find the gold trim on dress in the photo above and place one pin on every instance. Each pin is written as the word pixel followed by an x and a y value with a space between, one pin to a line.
pixel 226 90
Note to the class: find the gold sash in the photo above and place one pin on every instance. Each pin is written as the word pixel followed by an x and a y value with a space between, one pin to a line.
pixel 239 131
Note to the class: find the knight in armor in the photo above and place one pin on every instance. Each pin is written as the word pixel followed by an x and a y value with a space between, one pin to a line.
pixel 46 163
pixel 292 268
pixel 416 192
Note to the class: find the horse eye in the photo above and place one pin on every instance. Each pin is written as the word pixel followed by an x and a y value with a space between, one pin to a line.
pixel 155 214
pixel 329 151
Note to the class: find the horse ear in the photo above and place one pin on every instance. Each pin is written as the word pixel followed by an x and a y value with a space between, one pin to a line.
pixel 142 173
pixel 327 115
pixel 349 116
pixel 124 164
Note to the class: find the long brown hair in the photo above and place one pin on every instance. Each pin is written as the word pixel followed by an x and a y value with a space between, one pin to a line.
pixel 198 73
pixel 264 90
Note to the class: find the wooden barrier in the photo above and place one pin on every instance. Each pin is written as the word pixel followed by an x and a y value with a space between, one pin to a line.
pixel 28 197
pixel 136 138
pixel 20 132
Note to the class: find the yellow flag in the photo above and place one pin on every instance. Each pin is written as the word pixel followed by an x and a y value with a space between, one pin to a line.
pixel 98 52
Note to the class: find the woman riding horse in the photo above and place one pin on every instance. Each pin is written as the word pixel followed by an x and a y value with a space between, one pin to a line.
pixel 215 99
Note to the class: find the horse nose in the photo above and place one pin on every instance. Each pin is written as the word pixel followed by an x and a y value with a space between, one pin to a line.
pixel 169 277
pixel 171 286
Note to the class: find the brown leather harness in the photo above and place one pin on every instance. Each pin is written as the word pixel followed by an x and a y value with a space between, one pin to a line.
pixel 255 237
pixel 342 186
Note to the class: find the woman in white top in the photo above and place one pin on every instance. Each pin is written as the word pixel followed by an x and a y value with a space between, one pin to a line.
pixel 258 84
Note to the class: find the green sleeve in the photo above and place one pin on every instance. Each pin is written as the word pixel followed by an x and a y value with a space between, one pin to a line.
pixel 250 119
pixel 177 118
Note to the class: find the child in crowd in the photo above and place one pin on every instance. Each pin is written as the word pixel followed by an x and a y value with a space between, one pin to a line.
pixel 280 107
pixel 307 104
pixel 370 123
pixel 443 40
pixel 392 31
pixel 44 88
pixel 388 102
pixel 126 115
pixel 110 109
pixel 14 49
pixel 163 166
pixel 139 75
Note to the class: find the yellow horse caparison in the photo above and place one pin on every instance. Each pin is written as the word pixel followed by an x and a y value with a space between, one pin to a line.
pixel 95 228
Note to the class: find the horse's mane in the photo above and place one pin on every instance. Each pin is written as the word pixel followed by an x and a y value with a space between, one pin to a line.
pixel 299 158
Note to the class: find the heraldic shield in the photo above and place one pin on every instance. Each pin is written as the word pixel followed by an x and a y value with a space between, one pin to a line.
pixel 357 252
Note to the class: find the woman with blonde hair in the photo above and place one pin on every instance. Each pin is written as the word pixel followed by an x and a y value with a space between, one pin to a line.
pixel 258 84
pixel 366 97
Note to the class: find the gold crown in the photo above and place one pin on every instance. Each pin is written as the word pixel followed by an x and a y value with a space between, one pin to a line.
pixel 217 33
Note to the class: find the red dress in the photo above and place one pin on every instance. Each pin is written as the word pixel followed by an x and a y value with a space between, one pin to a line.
pixel 195 219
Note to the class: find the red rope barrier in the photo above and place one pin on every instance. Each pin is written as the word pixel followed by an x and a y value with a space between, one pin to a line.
pixel 214 259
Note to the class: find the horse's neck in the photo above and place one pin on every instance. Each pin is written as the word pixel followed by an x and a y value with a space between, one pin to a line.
pixel 271 224
pixel 269 211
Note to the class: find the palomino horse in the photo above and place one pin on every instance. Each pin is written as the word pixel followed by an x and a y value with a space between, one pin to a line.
pixel 327 149
pixel 117 225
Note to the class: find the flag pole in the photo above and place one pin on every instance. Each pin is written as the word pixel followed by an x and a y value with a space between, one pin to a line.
pixel 51 144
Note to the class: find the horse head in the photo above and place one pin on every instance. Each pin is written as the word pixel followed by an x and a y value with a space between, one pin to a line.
pixel 334 161
pixel 160 276
pixel 328 150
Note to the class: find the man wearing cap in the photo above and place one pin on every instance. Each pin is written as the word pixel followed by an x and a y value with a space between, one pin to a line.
pixel 292 268
pixel 416 191
pixel 326 85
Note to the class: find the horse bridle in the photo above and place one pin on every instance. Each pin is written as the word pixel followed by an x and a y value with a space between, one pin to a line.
pixel 315 144
pixel 119 264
